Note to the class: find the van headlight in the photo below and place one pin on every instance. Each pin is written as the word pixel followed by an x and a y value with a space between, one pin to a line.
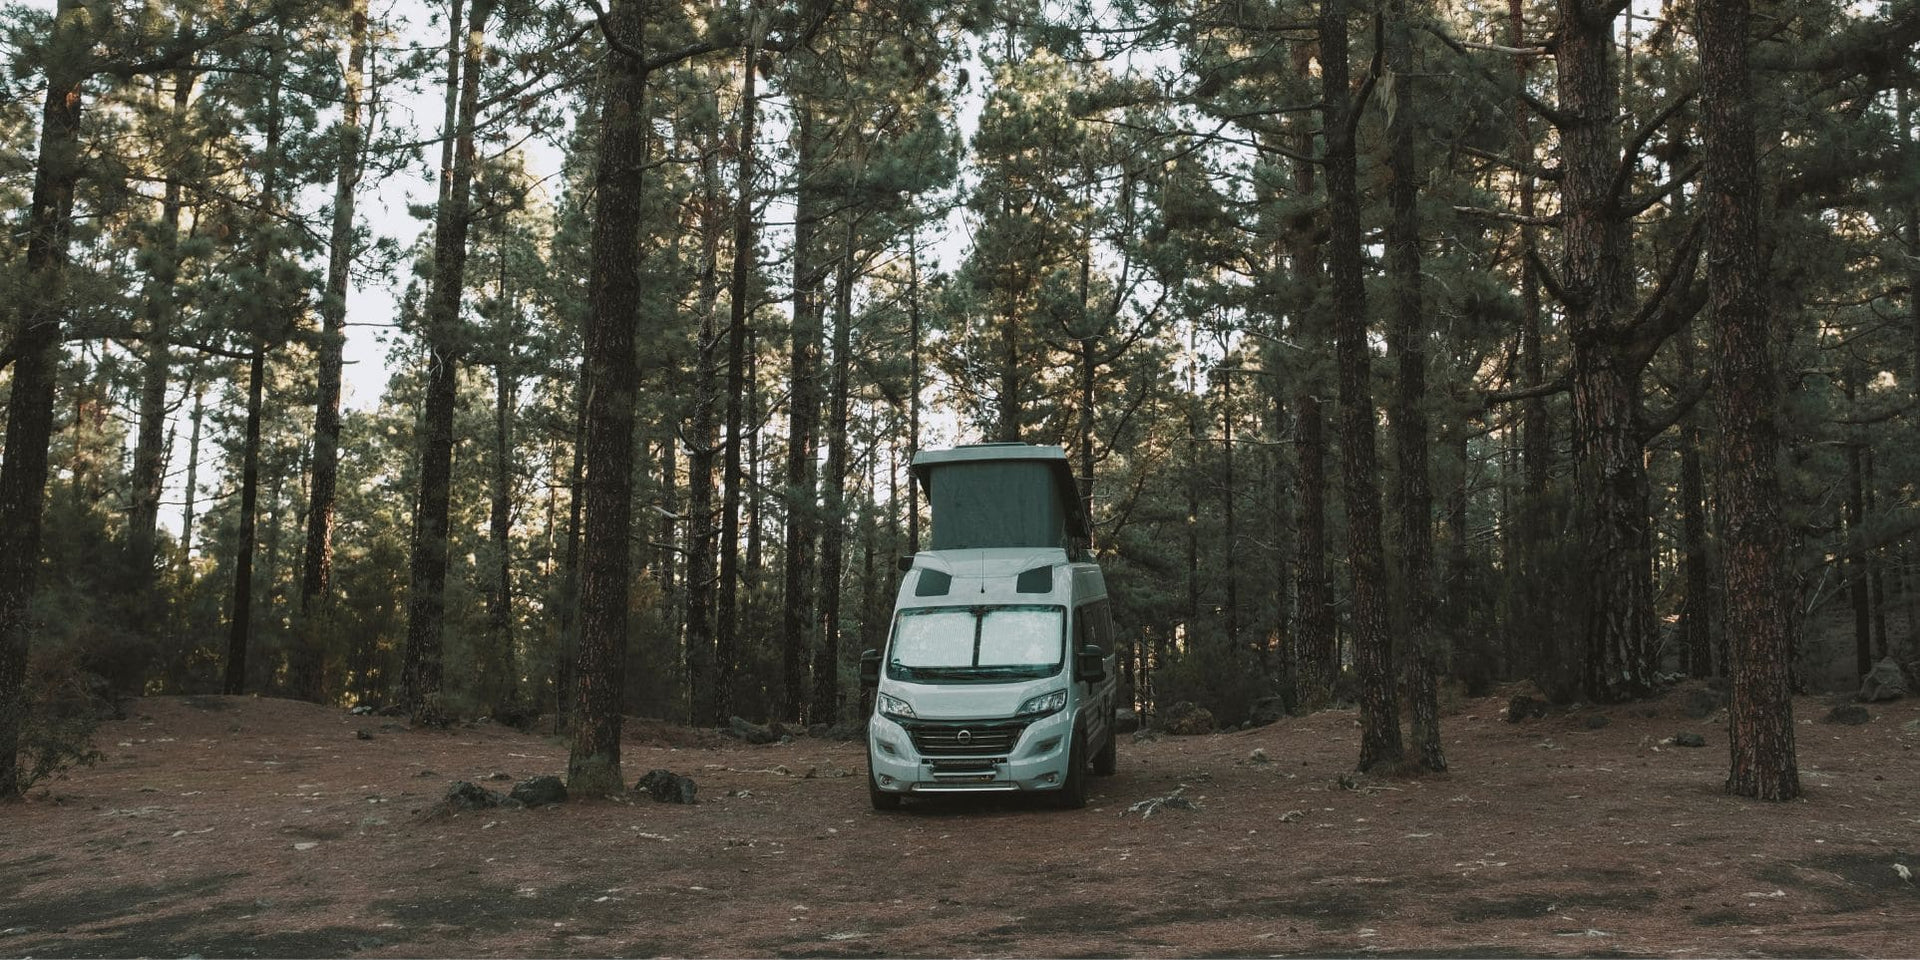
pixel 1044 704
pixel 896 707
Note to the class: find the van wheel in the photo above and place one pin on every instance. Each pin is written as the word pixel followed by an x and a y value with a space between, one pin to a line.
pixel 1106 763
pixel 882 800
pixel 1072 795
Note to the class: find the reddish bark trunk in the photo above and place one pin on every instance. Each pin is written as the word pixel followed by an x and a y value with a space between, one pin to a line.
pixel 1760 726
pixel 1373 644
pixel 613 301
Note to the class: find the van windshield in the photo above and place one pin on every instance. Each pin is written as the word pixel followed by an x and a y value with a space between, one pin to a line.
pixel 982 644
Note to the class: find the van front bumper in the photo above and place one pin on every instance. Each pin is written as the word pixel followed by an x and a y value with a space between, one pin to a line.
pixel 1037 761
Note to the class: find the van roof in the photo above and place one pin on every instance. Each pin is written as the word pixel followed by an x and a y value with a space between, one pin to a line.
pixel 928 464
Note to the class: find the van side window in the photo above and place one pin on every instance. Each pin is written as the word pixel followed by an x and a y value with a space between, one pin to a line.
pixel 1093 626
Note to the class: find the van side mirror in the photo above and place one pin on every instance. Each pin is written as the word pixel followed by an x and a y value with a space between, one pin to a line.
pixel 1090 665
pixel 870 668
pixel 903 563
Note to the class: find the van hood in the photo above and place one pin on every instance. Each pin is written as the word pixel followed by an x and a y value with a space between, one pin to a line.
pixel 970 701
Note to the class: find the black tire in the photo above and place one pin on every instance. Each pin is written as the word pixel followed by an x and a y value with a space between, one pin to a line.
pixel 881 800
pixel 1106 763
pixel 1072 794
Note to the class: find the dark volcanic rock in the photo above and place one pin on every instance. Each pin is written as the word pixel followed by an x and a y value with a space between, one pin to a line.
pixel 1184 719
pixel 1524 707
pixel 1851 714
pixel 1884 682
pixel 1125 720
pixel 750 732
pixel 1596 721
pixel 665 786
pixel 1689 740
pixel 539 791
pixel 471 796
pixel 848 730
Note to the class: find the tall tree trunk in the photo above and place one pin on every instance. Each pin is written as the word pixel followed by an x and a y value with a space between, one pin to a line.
pixel 1373 644
pixel 240 619
pixel 833 530
pixel 913 387
pixel 1760 727
pixel 1194 405
pixel 426 593
pixel 728 612
pixel 613 303
pixel 23 469
pixel 240 622
pixel 1618 632
pixel 1696 611
pixel 307 678
pixel 701 447
pixel 197 419
pixel 1317 653
pixel 498 678
pixel 1406 338
pixel 569 619
pixel 1013 358
pixel 756 477
pixel 149 454
pixel 1877 592
pixel 1227 495
pixel 1853 510
pixel 1536 430
pixel 1532 595
pixel 803 410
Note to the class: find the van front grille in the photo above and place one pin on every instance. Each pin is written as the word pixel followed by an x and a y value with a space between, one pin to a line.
pixel 949 738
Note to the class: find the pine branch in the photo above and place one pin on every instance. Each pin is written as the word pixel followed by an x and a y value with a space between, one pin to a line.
pixel 1508 216
pixel 1546 111
pixel 1549 174
pixel 1559 384
pixel 1630 160
pixel 1547 277
pixel 1660 192
pixel 1686 401
pixel 1672 302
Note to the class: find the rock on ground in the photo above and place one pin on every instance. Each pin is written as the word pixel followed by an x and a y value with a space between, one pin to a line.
pixel 1186 719
pixel 1851 714
pixel 1884 682
pixel 750 732
pixel 1525 708
pixel 471 796
pixel 665 786
pixel 539 791
pixel 1689 740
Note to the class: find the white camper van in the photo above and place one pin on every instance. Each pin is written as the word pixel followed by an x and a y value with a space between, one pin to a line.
pixel 998 675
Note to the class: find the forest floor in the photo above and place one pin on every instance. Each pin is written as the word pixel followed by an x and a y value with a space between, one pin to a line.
pixel 249 827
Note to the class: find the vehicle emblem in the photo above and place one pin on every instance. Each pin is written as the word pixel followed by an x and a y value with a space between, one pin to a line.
pixel 964 736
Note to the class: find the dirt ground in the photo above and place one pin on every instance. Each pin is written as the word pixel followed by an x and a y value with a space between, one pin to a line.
pixel 247 827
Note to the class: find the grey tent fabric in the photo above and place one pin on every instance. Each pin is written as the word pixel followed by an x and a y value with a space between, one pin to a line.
pixel 997 503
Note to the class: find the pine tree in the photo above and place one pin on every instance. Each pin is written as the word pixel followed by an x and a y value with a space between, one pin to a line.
pixel 1373 643
pixel 1761 715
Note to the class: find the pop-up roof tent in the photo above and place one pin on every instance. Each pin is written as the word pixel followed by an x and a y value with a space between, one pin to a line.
pixel 1001 495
